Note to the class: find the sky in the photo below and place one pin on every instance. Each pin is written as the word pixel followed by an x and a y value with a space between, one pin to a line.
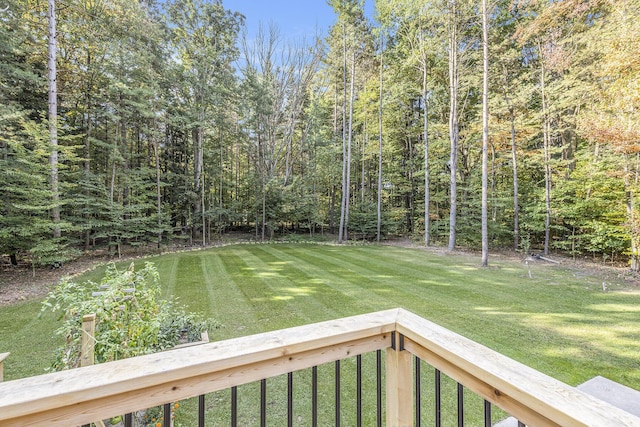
pixel 294 18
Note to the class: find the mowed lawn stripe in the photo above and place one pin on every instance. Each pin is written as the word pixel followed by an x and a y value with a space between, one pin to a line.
pixel 29 339
pixel 168 268
pixel 226 301
pixel 305 287
pixel 250 278
pixel 454 287
pixel 275 277
pixel 184 280
pixel 341 283
pixel 390 286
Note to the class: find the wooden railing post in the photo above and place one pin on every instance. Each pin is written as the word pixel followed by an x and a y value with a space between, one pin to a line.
pixel 88 340
pixel 2 357
pixel 399 380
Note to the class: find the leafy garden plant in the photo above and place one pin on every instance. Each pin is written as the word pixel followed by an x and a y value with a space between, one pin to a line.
pixel 131 317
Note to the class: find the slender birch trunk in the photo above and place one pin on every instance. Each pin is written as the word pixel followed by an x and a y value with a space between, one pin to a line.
pixel 453 120
pixel 53 119
pixel 631 217
pixel 485 134
pixel 425 135
pixel 349 145
pixel 379 224
pixel 343 203
pixel 547 158
pixel 514 161
pixel 156 153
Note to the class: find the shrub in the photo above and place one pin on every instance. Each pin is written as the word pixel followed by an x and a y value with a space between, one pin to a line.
pixel 131 319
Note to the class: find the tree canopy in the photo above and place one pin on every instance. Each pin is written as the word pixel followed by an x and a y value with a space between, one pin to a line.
pixel 173 127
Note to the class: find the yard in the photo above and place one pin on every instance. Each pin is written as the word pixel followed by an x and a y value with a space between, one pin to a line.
pixel 562 321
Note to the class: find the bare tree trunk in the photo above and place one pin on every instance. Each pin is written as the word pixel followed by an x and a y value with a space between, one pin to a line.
pixel 343 204
pixel 156 152
pixel 631 216
pixel 365 137
pixel 220 189
pixel 516 205
pixel 379 224
pixel 87 158
pixel 425 135
pixel 349 144
pixel 264 211
pixel 547 159
pixel 53 119
pixel 453 120
pixel 514 163
pixel 204 218
pixel 485 134
pixel 198 156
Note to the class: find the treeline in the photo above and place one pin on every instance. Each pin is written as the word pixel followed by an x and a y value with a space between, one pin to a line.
pixel 149 123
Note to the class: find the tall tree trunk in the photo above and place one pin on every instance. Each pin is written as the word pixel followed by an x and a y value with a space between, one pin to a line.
pixel 363 163
pixel 349 145
pixel 485 135
pixel 514 161
pixel 332 203
pixel 53 119
pixel 156 154
pixel 264 211
pixel 87 162
pixel 409 197
pixel 343 204
pixel 379 207
pixel 425 136
pixel 453 119
pixel 631 217
pixel 547 158
pixel 220 190
pixel 204 218
pixel 198 165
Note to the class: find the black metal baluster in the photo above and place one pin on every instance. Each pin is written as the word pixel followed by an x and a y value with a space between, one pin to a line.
pixel 359 390
pixel 379 387
pixel 290 399
pixel 460 405
pixel 438 399
pixel 201 410
pixel 128 420
pixel 418 391
pixel 314 396
pixel 487 414
pixel 263 403
pixel 166 410
pixel 337 392
pixel 234 406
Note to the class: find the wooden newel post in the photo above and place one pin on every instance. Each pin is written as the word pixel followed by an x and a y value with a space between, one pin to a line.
pixel 399 378
pixel 88 339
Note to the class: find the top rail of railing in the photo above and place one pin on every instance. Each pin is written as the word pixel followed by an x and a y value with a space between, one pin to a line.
pixel 82 395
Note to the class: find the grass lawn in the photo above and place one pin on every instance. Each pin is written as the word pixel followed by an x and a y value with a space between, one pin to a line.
pixel 558 321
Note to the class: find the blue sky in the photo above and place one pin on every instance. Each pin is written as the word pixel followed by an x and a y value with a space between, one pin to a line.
pixel 294 18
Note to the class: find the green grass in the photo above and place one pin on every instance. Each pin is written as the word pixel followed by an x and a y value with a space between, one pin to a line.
pixel 557 321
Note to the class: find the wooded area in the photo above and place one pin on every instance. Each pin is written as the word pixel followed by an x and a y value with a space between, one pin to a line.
pixel 144 123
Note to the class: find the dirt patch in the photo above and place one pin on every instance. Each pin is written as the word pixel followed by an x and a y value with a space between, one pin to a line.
pixel 21 283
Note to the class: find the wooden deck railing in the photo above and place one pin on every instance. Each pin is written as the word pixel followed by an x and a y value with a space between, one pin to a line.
pixel 86 394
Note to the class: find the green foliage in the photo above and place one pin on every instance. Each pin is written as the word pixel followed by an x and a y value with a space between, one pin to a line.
pixel 131 318
pixel 161 135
